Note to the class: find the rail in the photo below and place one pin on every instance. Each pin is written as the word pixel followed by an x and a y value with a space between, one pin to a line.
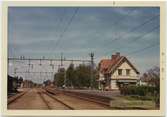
pixel 52 96
pixel 104 101
pixel 44 100
pixel 15 97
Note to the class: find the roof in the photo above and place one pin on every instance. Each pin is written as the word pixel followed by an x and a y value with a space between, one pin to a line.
pixel 107 66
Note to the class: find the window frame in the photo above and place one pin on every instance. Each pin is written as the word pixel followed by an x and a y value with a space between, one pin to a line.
pixel 128 73
pixel 119 72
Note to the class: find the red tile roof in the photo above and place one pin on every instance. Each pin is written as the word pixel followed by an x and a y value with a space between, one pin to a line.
pixel 108 65
pixel 105 64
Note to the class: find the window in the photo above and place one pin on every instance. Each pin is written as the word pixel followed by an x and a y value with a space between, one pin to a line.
pixel 119 71
pixel 127 72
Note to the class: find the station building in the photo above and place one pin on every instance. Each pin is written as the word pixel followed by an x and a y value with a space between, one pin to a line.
pixel 116 72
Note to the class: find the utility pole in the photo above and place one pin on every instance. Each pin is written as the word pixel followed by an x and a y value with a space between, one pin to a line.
pixel 64 70
pixel 64 78
pixel 40 74
pixel 92 67
pixel 15 71
pixel 52 65
pixel 61 59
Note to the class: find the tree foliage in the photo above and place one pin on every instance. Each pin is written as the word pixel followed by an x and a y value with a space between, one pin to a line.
pixel 76 77
pixel 59 78
pixel 152 78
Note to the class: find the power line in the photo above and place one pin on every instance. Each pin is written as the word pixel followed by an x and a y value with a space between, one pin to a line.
pixel 46 59
pixel 122 19
pixel 58 26
pixel 147 33
pixel 143 35
pixel 143 49
pixel 61 20
pixel 68 24
pixel 135 28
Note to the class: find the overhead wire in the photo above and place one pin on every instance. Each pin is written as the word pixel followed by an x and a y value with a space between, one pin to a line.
pixel 141 36
pixel 136 28
pixel 66 28
pixel 143 49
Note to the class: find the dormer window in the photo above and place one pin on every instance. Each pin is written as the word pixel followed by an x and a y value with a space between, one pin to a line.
pixel 119 71
pixel 127 72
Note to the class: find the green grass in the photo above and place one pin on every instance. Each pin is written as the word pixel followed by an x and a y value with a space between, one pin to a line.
pixel 135 97
pixel 130 102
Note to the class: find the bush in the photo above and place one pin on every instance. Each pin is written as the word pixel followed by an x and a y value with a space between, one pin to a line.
pixel 137 90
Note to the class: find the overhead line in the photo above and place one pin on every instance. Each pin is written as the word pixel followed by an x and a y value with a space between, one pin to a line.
pixel 68 24
pixel 153 29
pixel 121 19
pixel 31 72
pixel 135 28
pixel 38 59
pixel 143 35
pixel 143 49
pixel 60 19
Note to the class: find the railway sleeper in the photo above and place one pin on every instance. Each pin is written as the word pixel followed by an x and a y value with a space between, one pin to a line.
pixel 44 100
pixel 52 96
pixel 106 104
pixel 95 98
pixel 15 97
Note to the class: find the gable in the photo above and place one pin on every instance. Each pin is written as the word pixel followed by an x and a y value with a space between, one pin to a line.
pixel 108 66
pixel 125 64
pixel 128 64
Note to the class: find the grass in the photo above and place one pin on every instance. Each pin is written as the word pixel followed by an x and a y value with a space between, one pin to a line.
pixel 131 102
pixel 135 97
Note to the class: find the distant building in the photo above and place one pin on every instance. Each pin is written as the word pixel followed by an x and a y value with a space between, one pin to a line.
pixel 47 83
pixel 12 84
pixel 116 71
pixel 27 84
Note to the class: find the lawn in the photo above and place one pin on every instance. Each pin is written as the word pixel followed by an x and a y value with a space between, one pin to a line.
pixel 131 102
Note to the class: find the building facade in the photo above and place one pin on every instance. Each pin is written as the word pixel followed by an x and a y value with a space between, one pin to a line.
pixel 116 72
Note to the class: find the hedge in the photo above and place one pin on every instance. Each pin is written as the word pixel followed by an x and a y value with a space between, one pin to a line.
pixel 138 90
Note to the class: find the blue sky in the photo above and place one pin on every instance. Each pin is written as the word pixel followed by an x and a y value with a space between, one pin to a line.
pixel 36 32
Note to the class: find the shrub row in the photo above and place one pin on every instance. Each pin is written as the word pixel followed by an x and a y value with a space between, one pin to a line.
pixel 138 90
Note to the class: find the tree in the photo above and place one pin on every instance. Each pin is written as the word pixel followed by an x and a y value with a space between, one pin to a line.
pixel 59 78
pixel 83 76
pixel 76 77
pixel 152 77
pixel 70 76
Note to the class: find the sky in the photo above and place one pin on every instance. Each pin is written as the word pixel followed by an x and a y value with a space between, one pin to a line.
pixel 34 32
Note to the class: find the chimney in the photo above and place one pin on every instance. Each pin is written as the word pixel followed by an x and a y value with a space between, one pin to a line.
pixel 113 56
pixel 117 55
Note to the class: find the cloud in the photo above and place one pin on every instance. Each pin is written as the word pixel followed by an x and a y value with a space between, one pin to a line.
pixel 36 32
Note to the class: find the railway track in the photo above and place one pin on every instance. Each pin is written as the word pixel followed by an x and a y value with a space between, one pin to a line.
pixel 45 96
pixel 15 97
pixel 102 101
pixel 44 100
pixel 38 98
